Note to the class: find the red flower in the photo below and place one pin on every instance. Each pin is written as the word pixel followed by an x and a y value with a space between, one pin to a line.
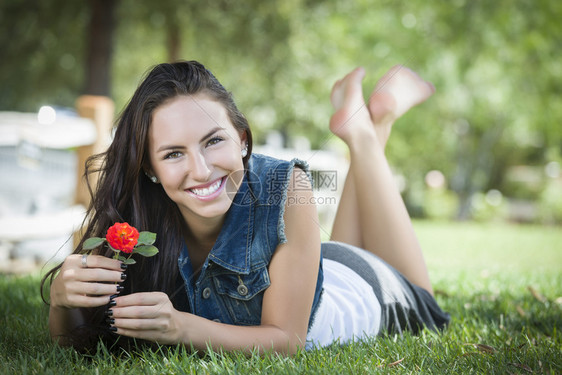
pixel 122 236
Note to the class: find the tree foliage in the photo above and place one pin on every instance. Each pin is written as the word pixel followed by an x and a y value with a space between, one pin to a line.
pixel 496 67
pixel 42 47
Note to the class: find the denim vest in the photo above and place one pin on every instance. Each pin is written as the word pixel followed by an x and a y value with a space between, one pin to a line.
pixel 232 281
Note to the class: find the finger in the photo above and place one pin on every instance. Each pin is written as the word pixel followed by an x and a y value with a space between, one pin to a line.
pixel 99 261
pixel 150 335
pixel 77 300
pixel 141 299
pixel 93 275
pixel 140 324
pixel 135 312
pixel 94 289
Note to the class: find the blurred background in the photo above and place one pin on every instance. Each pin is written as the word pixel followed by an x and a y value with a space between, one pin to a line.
pixel 487 147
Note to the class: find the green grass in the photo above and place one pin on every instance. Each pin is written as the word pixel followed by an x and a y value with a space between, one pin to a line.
pixel 502 285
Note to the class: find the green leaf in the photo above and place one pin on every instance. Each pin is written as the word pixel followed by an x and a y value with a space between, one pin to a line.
pixel 92 243
pixel 146 238
pixel 146 250
pixel 121 258
pixel 129 261
pixel 112 249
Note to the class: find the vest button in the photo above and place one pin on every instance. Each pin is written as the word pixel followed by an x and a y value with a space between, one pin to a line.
pixel 242 289
pixel 206 293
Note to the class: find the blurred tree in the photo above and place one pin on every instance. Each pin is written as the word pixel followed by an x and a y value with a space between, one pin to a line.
pixel 492 64
pixel 245 45
pixel 42 49
pixel 495 79
pixel 100 47
pixel 496 66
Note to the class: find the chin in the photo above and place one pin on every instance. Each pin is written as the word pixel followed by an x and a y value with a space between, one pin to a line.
pixel 210 211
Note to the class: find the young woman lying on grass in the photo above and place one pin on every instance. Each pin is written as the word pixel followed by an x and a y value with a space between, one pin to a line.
pixel 241 266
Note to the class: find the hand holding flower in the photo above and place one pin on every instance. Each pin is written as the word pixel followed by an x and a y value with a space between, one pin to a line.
pixel 124 238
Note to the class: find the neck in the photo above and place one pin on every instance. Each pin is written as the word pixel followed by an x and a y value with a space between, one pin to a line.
pixel 203 232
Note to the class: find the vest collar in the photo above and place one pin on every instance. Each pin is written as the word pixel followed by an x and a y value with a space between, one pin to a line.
pixel 232 248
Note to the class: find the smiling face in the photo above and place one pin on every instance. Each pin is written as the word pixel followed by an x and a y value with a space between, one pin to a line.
pixel 194 152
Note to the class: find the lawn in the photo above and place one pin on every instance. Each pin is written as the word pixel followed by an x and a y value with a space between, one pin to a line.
pixel 501 283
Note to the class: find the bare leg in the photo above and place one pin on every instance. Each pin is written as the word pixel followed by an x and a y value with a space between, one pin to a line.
pixel 394 94
pixel 346 227
pixel 371 211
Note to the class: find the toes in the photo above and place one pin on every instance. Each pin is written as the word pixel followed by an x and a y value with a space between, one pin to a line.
pixel 354 78
pixel 431 86
pixel 357 73
pixel 348 89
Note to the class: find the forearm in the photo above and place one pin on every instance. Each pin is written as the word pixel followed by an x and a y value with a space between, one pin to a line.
pixel 202 334
pixel 77 291
pixel 62 321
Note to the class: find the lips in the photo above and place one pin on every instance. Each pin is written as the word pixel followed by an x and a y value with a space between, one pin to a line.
pixel 208 191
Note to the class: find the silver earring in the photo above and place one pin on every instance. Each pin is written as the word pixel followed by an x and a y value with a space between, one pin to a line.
pixel 154 179
pixel 244 152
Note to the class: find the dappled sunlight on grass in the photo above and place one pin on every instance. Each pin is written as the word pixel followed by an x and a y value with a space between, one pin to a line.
pixel 504 300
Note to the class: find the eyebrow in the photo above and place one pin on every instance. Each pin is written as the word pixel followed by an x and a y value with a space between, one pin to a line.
pixel 171 147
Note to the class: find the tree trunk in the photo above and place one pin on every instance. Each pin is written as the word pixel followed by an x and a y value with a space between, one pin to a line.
pixel 100 47
pixel 475 168
pixel 174 41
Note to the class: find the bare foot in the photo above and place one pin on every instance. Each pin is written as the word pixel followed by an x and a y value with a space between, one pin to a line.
pixel 351 117
pixel 395 93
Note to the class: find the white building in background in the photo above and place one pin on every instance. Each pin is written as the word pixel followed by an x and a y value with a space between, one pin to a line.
pixel 38 165
pixel 38 180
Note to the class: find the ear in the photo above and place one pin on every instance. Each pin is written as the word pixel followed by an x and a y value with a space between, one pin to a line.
pixel 152 177
pixel 243 139
pixel 147 169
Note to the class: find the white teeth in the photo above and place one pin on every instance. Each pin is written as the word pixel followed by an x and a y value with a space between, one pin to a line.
pixel 207 191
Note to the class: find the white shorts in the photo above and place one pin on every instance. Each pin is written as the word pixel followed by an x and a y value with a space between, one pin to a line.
pixel 348 308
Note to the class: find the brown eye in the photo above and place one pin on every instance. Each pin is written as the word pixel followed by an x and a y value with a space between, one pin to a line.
pixel 173 155
pixel 214 141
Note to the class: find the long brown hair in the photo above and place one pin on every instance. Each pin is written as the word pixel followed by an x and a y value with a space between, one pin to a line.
pixel 125 194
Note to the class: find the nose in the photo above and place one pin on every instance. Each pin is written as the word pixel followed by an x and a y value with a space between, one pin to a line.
pixel 200 170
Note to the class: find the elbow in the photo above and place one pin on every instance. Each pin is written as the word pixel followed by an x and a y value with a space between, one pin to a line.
pixel 289 344
pixel 290 349
pixel 293 350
